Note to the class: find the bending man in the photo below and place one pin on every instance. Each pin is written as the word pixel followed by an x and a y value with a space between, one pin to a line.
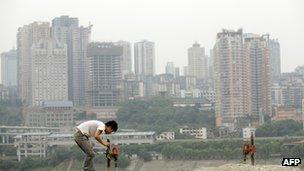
pixel 88 129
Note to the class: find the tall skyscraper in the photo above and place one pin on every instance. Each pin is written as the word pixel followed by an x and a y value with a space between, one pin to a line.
pixel 49 72
pixel 275 59
pixel 231 81
pixel 176 72
pixel 26 37
pixel 242 78
pixel 126 65
pixel 170 69
pixel 186 70
pixel 256 52
pixel 144 58
pixel 197 61
pixel 66 30
pixel 103 74
pixel 210 65
pixel 9 68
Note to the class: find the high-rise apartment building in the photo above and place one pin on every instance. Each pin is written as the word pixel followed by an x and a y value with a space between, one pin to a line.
pixel 170 69
pixel 197 61
pixel 275 59
pixel 126 65
pixel 256 52
pixel 176 72
pixel 49 72
pixel 26 37
pixel 242 78
pixel 67 31
pixel 231 81
pixel 9 68
pixel 144 58
pixel 210 65
pixel 186 70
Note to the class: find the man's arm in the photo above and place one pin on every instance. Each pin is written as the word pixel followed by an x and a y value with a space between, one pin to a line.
pixel 97 137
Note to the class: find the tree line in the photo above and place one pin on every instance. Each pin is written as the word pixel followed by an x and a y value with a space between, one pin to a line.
pixel 159 114
pixel 223 150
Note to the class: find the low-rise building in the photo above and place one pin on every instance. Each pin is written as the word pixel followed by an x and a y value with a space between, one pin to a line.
pixel 166 136
pixel 132 138
pixel 247 132
pixel 106 112
pixel 31 144
pixel 284 113
pixel 7 133
pixel 50 114
pixel 36 144
pixel 183 102
pixel 200 133
pixel 223 131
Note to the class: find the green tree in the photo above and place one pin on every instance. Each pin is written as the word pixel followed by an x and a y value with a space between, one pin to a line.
pixel 123 161
pixel 160 115
pixel 8 164
pixel 279 128
pixel 146 156
pixel 10 115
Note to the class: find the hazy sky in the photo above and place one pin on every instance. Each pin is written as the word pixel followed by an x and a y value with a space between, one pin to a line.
pixel 172 24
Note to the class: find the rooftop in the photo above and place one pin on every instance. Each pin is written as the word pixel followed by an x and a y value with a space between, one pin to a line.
pixel 27 127
pixel 57 104
pixel 134 133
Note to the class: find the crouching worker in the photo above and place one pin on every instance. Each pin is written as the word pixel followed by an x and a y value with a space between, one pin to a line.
pixel 95 129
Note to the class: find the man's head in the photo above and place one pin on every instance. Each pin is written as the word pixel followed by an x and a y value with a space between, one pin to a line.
pixel 111 126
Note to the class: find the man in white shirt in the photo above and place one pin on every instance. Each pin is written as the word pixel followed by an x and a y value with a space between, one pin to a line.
pixel 92 128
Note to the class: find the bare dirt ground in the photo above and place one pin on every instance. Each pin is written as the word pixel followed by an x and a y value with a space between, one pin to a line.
pixel 163 165
pixel 208 165
pixel 246 167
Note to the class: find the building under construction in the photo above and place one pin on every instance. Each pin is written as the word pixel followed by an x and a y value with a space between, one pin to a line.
pixel 103 74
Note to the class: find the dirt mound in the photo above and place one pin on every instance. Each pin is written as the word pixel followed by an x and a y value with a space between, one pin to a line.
pixel 246 167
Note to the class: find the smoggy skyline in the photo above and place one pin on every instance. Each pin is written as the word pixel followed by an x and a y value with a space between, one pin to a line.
pixel 173 25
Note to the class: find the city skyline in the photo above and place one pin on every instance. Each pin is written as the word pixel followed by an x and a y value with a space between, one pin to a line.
pixel 189 21
pixel 146 76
